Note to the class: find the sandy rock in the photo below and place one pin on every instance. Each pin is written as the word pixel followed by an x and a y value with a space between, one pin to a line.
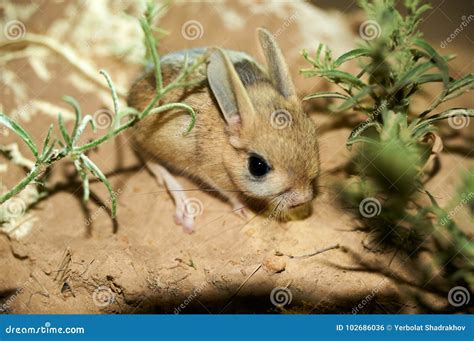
pixel 274 264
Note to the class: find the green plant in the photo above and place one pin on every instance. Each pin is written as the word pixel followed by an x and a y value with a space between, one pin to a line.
pixel 54 149
pixel 394 141
pixel 458 247
pixel 394 68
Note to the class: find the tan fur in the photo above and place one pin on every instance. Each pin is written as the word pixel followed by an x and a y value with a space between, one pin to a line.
pixel 217 157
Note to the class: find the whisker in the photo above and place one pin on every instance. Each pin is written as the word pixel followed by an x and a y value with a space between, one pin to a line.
pixel 276 208
pixel 190 190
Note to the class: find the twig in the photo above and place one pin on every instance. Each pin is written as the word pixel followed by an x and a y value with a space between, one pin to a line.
pixel 240 287
pixel 316 253
pixel 62 271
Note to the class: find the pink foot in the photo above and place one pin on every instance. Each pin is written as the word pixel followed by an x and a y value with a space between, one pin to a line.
pixel 177 194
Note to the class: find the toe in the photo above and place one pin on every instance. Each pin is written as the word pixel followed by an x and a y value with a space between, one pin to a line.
pixel 188 224
pixel 178 219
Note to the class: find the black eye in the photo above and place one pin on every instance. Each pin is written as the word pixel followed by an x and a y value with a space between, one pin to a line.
pixel 258 166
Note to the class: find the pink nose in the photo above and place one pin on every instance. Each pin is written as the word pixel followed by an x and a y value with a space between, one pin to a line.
pixel 300 197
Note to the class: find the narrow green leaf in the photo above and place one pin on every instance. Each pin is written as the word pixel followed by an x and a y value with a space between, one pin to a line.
pixel 318 54
pixel 171 106
pixel 305 54
pixel 88 119
pixel 84 178
pixel 328 58
pixel 185 66
pixel 64 133
pixel 46 143
pixel 128 111
pixel 429 78
pixel 77 110
pixel 443 68
pixel 47 153
pixel 358 139
pixel 352 101
pixel 438 60
pixel 116 122
pixel 337 76
pixel 449 57
pixel 466 81
pixel 411 76
pixel 351 55
pixel 432 198
pixel 422 9
pixel 48 136
pixel 17 129
pixel 151 46
pixel 98 173
pixel 326 94
pixel 358 130
pixel 451 113
pixel 420 133
pixel 455 88
pixel 160 31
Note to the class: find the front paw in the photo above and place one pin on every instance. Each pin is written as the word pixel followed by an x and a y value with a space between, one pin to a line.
pixel 186 221
pixel 240 210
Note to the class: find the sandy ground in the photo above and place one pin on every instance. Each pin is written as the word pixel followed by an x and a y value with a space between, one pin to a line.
pixel 76 259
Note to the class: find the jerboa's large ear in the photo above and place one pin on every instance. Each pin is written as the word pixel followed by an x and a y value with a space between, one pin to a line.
pixel 229 90
pixel 276 64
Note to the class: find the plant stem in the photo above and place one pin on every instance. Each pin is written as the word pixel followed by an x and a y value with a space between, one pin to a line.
pixel 34 172
pixel 134 121
pixel 106 137
pixel 75 152
pixel 151 43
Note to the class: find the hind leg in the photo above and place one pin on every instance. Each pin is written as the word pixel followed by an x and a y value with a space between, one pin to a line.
pixel 174 188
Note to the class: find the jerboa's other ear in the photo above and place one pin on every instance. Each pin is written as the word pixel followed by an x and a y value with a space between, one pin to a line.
pixel 229 91
pixel 276 64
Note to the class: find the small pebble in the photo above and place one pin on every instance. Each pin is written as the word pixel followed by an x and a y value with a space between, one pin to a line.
pixel 274 264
